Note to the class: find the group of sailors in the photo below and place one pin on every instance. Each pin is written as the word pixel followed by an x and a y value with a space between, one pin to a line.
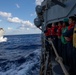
pixel 61 34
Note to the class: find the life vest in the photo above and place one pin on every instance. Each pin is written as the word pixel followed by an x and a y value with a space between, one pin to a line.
pixel 74 37
pixel 53 30
pixel 59 30
pixel 48 33
pixel 69 27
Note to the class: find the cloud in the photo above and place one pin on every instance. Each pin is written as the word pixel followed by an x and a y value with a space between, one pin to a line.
pixel 23 28
pixel 24 31
pixel 14 20
pixel 9 28
pixel 24 24
pixel 28 29
pixel 17 6
pixel 38 2
pixel 5 14
pixel 27 23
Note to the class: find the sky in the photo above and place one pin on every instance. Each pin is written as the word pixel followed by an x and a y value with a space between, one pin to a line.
pixel 17 16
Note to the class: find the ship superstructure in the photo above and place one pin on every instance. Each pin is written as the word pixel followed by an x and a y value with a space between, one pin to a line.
pixel 48 12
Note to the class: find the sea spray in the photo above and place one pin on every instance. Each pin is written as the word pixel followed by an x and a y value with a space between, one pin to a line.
pixel 2 39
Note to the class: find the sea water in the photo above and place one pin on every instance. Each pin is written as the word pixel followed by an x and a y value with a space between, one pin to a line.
pixel 20 55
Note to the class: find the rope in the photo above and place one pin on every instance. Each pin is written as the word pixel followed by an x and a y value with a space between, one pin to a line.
pixel 46 64
pixel 58 58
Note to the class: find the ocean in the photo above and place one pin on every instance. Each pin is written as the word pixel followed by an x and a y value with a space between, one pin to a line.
pixel 20 55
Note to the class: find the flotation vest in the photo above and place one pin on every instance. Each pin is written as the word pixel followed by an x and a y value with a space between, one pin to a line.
pixel 53 30
pixel 59 31
pixel 48 33
pixel 69 27
pixel 74 37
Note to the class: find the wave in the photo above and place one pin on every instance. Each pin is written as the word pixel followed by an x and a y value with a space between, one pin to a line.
pixel 23 47
pixel 27 65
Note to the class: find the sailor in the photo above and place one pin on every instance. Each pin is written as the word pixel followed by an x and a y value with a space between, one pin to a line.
pixel 56 24
pixel 47 36
pixel 59 30
pixel 69 38
pixel 74 47
pixel 53 34
pixel 48 31
pixel 64 42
